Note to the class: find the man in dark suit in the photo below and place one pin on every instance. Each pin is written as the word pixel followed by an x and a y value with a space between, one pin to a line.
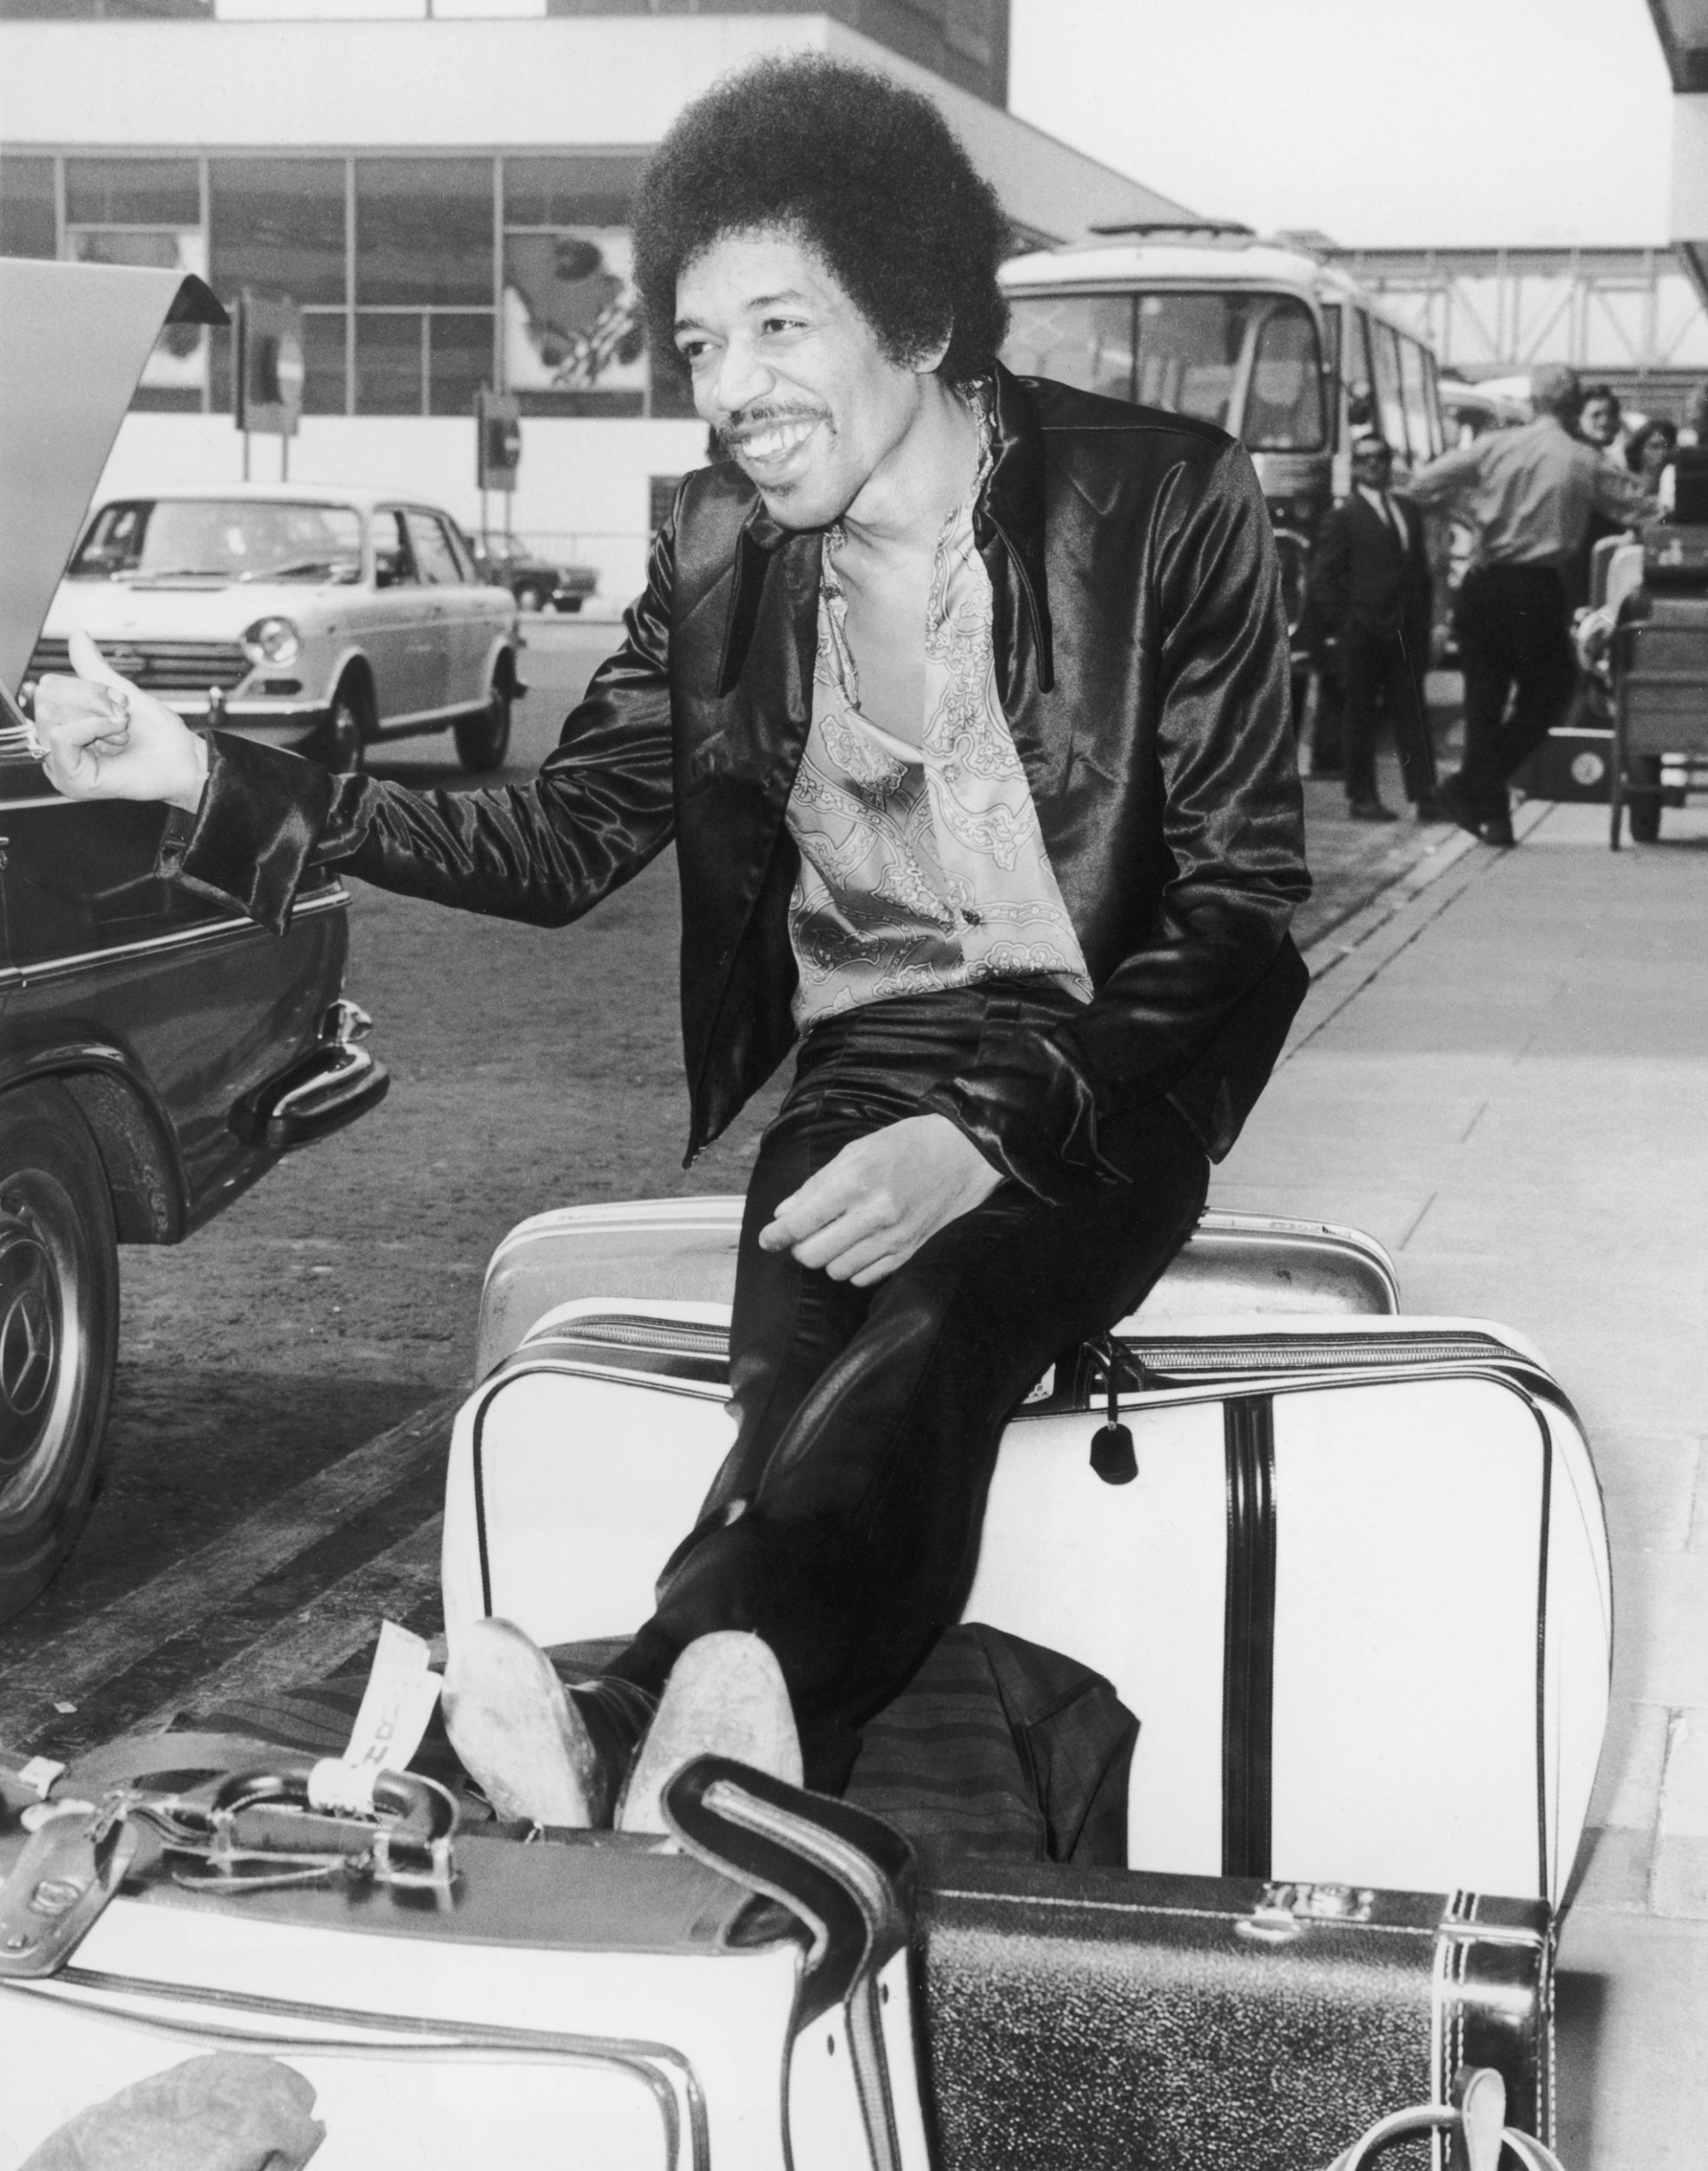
pixel 1370 582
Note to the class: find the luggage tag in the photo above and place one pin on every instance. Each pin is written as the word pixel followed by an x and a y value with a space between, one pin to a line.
pixel 363 1814
pixel 73 1862
pixel 399 1701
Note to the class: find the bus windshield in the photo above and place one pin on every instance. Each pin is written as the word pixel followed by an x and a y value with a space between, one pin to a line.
pixel 1248 361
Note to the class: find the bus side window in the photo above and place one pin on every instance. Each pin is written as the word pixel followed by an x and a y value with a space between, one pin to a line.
pixel 1432 396
pixel 1390 401
pixel 1420 408
pixel 1359 376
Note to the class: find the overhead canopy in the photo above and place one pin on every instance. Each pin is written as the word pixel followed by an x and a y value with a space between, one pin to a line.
pixel 73 342
pixel 1682 28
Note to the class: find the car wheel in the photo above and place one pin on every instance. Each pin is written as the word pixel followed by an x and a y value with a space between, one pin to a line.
pixel 482 740
pixel 530 598
pixel 342 745
pixel 59 1320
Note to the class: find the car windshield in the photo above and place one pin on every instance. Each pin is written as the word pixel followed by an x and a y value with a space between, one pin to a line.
pixel 157 539
pixel 1248 361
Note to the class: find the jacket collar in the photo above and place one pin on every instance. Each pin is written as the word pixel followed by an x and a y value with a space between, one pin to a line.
pixel 1007 527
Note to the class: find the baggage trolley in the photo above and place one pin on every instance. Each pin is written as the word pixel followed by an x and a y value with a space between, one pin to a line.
pixel 1660 712
pixel 1659 656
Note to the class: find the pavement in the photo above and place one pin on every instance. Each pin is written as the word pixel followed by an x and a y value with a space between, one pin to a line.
pixel 1502 1071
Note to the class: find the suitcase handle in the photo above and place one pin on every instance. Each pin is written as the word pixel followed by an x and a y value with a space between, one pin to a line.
pixel 844 1873
pixel 1475 2120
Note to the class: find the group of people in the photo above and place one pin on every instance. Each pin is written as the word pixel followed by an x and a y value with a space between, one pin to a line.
pixel 1534 498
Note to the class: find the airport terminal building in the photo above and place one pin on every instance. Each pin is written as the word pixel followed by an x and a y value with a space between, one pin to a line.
pixel 444 187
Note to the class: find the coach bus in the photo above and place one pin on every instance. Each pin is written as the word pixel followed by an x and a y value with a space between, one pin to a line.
pixel 1270 343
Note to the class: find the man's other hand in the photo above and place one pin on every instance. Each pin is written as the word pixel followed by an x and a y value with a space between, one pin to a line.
pixel 103 738
pixel 867 1211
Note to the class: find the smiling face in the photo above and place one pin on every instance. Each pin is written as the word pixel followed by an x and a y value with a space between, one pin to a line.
pixel 792 377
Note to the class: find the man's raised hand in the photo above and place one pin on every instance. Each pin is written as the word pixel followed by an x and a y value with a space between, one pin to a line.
pixel 870 1208
pixel 103 738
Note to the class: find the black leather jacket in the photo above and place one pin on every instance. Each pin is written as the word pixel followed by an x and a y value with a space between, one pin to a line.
pixel 1142 655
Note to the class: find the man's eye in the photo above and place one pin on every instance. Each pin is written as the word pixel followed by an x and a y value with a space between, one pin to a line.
pixel 783 324
pixel 693 351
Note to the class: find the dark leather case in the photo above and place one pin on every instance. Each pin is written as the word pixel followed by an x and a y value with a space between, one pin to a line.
pixel 1082 2020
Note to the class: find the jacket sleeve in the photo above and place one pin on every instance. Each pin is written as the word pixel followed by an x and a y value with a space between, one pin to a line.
pixel 601 807
pixel 1330 569
pixel 1196 1012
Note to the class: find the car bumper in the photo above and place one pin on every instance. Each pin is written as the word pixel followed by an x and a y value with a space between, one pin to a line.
pixel 333 1084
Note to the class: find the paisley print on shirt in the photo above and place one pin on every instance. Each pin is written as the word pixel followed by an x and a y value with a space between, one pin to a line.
pixel 921 866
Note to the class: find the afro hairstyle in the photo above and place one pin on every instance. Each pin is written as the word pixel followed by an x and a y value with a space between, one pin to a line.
pixel 868 174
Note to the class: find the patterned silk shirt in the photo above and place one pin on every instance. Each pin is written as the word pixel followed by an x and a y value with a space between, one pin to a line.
pixel 921 866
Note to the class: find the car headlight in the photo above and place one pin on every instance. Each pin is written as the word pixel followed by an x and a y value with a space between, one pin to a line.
pixel 272 641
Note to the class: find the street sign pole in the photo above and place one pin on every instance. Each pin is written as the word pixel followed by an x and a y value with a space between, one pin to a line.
pixel 269 372
pixel 498 451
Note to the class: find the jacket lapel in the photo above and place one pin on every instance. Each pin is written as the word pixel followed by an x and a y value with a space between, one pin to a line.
pixel 1008 528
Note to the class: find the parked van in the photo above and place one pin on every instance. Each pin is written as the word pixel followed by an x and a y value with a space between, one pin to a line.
pixel 1270 343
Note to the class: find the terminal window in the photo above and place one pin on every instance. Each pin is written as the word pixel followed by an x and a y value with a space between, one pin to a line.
pixel 421 278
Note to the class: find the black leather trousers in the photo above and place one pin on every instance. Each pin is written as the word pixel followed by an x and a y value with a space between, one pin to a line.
pixel 844 1526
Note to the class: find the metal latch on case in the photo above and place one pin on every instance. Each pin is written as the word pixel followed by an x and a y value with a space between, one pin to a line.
pixel 72 1865
pixel 1281 1915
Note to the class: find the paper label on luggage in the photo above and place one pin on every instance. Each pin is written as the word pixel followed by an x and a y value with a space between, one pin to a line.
pixel 397 1703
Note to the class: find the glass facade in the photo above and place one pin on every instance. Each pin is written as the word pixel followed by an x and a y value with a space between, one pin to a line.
pixel 421 278
pixel 29 220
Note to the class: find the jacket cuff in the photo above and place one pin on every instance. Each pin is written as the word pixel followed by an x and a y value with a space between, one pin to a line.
pixel 251 839
pixel 1029 1108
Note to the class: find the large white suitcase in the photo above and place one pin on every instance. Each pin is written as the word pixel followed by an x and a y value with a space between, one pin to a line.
pixel 585 2002
pixel 1358 1595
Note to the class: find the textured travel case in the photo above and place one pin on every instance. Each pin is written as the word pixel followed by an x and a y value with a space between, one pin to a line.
pixel 1099 2020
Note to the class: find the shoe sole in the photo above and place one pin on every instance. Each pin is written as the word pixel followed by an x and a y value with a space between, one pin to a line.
pixel 726 1697
pixel 516 1731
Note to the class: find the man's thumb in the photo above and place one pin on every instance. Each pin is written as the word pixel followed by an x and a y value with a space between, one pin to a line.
pixel 89 663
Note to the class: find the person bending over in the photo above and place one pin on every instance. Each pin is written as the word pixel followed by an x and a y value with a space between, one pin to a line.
pixel 963 698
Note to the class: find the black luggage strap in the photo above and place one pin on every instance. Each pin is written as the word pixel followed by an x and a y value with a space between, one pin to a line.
pixel 844 1874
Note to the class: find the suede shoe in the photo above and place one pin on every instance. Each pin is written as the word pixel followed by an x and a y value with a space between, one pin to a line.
pixel 538 1750
pixel 726 1697
pixel 1497 830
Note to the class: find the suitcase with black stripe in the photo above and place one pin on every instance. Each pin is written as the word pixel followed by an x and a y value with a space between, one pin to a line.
pixel 1357 1593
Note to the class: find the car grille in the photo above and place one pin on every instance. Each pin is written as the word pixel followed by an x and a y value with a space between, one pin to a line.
pixel 180 666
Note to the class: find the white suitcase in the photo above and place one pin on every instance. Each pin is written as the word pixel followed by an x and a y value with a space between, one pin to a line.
pixel 685 1250
pixel 1358 1596
pixel 580 2003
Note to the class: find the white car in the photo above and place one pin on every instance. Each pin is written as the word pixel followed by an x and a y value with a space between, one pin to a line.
pixel 321 619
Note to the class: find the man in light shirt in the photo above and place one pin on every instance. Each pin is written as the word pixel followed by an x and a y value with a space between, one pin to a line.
pixel 1529 495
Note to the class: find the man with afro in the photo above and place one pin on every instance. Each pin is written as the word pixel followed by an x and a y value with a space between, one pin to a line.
pixel 964 701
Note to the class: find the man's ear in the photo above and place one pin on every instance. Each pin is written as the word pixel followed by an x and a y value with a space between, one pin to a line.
pixel 930 359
